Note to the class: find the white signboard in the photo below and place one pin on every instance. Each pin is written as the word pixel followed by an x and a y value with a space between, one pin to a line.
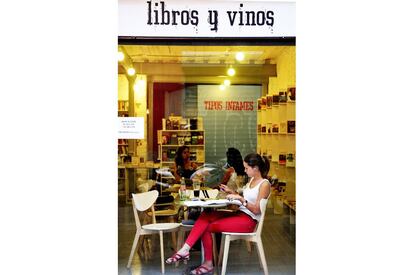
pixel 131 127
pixel 178 18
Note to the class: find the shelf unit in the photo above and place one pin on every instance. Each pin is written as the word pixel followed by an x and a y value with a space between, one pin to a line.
pixel 122 153
pixel 170 140
pixel 276 130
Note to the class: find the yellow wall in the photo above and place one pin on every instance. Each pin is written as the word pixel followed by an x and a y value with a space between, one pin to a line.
pixel 122 87
pixel 286 71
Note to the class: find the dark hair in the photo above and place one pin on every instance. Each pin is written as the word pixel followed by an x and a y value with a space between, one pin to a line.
pixel 235 160
pixel 179 155
pixel 263 163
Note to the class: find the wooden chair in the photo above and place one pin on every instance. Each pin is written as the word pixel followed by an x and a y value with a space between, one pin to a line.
pixel 255 236
pixel 142 202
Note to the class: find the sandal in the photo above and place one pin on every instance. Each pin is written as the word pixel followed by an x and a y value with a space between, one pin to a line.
pixel 177 258
pixel 202 270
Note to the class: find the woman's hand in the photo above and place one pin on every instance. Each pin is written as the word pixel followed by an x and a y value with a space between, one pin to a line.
pixel 235 197
pixel 226 189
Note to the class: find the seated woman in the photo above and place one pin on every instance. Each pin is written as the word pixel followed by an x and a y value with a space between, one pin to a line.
pixel 243 221
pixel 235 176
pixel 183 167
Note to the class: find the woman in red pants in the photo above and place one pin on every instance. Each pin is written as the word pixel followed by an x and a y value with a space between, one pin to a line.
pixel 243 221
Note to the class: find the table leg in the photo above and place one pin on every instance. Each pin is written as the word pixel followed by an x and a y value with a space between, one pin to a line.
pixel 162 252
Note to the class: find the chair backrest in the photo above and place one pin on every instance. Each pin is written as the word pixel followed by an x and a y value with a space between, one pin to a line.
pixel 263 206
pixel 142 202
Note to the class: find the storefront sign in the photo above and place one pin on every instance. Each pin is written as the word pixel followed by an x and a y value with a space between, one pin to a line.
pixel 131 127
pixel 229 119
pixel 174 18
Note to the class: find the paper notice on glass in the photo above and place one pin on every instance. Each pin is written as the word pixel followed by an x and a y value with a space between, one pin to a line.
pixel 131 127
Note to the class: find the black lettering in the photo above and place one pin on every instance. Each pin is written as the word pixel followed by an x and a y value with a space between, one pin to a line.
pixel 250 16
pixel 194 18
pixel 149 22
pixel 185 17
pixel 241 16
pixel 213 19
pixel 165 19
pixel 174 17
pixel 156 15
pixel 232 18
pixel 270 20
pixel 260 18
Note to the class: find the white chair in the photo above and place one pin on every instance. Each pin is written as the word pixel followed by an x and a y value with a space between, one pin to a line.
pixel 255 236
pixel 142 202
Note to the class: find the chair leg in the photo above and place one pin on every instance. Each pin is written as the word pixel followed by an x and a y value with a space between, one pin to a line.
pixel 220 259
pixel 260 251
pixel 226 254
pixel 134 248
pixel 249 246
pixel 173 236
pixel 162 251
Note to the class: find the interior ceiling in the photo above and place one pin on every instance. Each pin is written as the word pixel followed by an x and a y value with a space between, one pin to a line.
pixel 202 54
pixel 202 64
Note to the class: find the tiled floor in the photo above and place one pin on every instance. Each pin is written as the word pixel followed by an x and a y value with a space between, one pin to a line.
pixel 277 237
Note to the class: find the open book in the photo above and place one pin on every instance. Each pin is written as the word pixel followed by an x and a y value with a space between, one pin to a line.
pixel 211 203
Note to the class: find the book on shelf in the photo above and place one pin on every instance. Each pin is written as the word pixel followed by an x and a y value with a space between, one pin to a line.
pixel 200 139
pixel 282 159
pixel 282 97
pixel 193 155
pixel 291 129
pixel 180 140
pixel 275 128
pixel 200 155
pixel 292 93
pixel 275 100
pixel 283 128
pixel 290 160
pixel 269 101
pixel 174 139
pixel 171 153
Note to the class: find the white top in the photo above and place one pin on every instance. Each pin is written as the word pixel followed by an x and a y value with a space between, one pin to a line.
pixel 250 194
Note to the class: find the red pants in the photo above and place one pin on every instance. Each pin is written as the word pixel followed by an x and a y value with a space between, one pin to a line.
pixel 218 221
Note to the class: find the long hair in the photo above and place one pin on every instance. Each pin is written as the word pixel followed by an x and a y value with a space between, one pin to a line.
pixel 179 161
pixel 263 163
pixel 235 160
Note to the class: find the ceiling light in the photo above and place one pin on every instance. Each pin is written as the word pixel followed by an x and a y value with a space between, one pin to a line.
pixel 121 56
pixel 239 56
pixel 231 72
pixel 227 82
pixel 131 71
pixel 222 87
